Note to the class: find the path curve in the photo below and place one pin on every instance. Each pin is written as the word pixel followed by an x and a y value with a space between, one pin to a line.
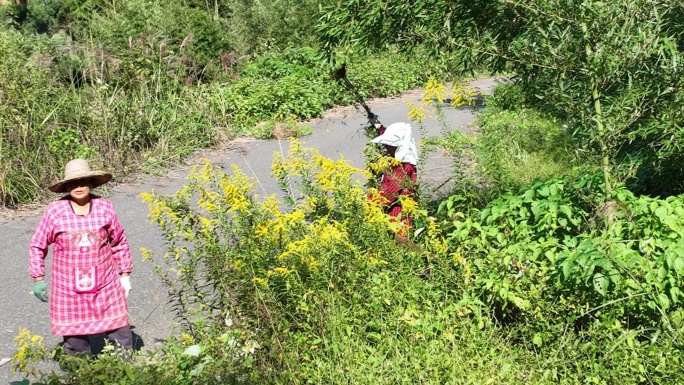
pixel 339 133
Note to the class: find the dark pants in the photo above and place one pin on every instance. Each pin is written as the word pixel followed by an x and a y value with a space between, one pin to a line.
pixel 80 345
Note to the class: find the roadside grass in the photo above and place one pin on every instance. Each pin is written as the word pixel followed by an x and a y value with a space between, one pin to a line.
pixel 135 112
pixel 511 146
pixel 515 147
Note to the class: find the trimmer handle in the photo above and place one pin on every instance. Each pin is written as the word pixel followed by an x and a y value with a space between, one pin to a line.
pixel 373 119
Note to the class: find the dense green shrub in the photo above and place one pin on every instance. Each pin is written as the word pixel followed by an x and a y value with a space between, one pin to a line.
pixel 508 96
pixel 250 100
pixel 170 29
pixel 207 28
pixel 555 253
pixel 257 26
pixel 294 83
pixel 302 62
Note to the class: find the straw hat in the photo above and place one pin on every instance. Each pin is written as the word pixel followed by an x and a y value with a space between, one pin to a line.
pixel 80 169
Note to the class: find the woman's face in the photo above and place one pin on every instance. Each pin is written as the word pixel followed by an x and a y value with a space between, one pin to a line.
pixel 391 150
pixel 79 189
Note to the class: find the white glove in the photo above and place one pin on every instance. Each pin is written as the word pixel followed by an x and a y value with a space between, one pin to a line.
pixel 126 283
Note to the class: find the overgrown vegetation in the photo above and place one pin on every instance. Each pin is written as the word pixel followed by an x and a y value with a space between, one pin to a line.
pixel 550 283
pixel 144 84
pixel 546 264
pixel 611 71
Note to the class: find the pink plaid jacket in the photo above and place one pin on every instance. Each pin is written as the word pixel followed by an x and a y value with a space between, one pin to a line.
pixel 89 252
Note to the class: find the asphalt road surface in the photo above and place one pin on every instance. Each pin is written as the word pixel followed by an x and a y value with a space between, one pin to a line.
pixel 339 133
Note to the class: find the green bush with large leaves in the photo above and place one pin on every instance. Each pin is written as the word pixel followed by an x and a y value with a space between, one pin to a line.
pixel 555 254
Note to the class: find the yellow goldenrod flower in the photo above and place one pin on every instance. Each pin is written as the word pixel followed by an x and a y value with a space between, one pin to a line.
pixel 260 281
pixel 434 90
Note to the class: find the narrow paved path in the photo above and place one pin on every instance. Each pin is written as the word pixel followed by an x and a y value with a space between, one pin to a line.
pixel 339 133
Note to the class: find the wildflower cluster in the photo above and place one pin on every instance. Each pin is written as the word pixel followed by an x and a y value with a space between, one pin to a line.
pixel 29 349
pixel 219 231
pixel 436 94
pixel 266 264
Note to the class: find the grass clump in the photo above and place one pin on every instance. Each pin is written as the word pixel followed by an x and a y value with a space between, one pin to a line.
pixel 517 144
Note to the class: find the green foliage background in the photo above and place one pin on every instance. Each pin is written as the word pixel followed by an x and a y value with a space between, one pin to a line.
pixel 611 71
pixel 141 84
pixel 545 265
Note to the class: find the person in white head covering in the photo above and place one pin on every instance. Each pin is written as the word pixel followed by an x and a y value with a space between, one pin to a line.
pixel 400 179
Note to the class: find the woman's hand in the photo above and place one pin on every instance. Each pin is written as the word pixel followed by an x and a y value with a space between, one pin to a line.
pixel 40 290
pixel 126 283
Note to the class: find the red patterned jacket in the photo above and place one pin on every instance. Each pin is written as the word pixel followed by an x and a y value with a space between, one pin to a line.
pixel 396 181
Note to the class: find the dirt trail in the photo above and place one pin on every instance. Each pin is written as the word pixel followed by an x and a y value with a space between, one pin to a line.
pixel 339 133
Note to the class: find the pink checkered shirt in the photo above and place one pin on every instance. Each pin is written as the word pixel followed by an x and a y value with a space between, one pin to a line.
pixel 89 252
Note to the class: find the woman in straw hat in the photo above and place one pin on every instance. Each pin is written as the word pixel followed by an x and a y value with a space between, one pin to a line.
pixel 91 262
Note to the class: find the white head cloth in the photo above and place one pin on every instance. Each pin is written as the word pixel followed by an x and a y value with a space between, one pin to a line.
pixel 399 135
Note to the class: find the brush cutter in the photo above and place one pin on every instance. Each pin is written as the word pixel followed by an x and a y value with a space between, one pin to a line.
pixel 340 74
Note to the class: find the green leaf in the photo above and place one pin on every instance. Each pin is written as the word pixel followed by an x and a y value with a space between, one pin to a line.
pixel 662 273
pixel 193 350
pixel 675 294
pixel 129 373
pixel 661 212
pixel 373 336
pixel 653 206
pixel 537 340
pixel 500 237
pixel 568 265
pixel 528 196
pixel 553 189
pixel 484 214
pixel 521 303
pixel 544 191
pixel 553 207
pixel 565 209
pixel 503 292
pixel 679 265
pixel 664 301
pixel 535 207
pixel 601 283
